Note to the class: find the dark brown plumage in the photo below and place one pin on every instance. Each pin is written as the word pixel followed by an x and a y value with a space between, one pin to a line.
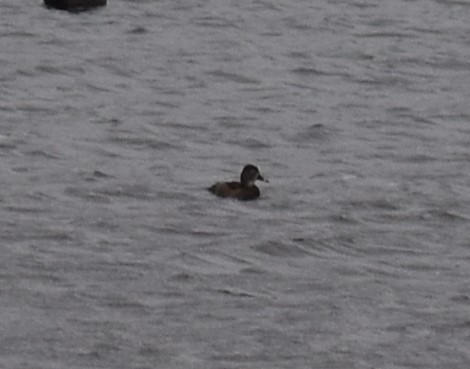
pixel 243 190
pixel 74 4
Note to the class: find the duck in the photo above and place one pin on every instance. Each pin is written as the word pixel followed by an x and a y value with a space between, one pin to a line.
pixel 243 190
pixel 74 5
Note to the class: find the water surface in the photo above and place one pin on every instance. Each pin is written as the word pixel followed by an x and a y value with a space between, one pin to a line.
pixel 113 122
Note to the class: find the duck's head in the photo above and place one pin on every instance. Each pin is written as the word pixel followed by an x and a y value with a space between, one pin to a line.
pixel 250 174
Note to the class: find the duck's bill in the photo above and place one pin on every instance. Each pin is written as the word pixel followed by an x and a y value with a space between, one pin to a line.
pixel 260 178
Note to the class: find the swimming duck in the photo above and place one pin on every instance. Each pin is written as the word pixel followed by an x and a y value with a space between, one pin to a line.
pixel 74 4
pixel 243 190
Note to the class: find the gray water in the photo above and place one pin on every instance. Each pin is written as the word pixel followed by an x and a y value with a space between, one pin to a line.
pixel 112 124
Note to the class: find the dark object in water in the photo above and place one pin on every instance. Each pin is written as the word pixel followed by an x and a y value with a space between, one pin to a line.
pixel 74 5
pixel 243 190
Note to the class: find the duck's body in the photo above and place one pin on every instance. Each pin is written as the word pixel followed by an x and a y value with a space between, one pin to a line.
pixel 235 190
pixel 243 190
pixel 74 4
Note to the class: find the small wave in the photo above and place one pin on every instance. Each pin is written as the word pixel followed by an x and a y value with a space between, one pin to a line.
pixel 234 293
pixel 400 35
pixel 131 191
pixel 446 215
pixel 142 141
pixel 308 71
pixel 86 194
pixel 6 143
pixel 281 249
pixel 250 143
pixel 42 153
pixel 233 77
pixel 314 132
pixel 139 30
pixel 24 209
pixel 216 22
